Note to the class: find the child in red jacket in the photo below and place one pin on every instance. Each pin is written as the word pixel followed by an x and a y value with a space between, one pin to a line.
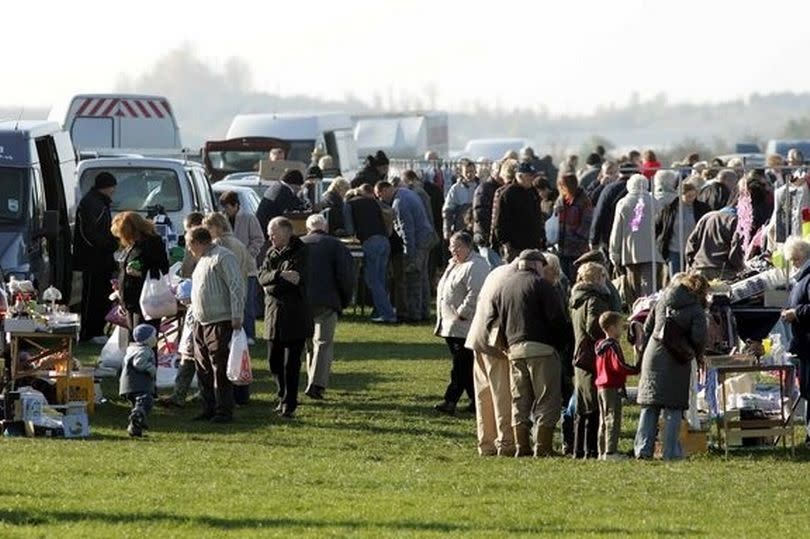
pixel 611 374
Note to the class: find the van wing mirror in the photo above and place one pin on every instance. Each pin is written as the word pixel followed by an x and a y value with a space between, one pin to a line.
pixel 50 224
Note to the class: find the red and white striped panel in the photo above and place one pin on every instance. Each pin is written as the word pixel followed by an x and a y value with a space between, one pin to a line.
pixel 126 108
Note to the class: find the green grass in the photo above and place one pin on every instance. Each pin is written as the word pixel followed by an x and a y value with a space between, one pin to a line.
pixel 373 461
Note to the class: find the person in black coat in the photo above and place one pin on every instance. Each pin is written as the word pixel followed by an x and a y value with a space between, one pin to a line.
pixel 280 198
pixel 93 250
pixel 287 315
pixel 375 170
pixel 330 274
pixel 798 314
pixel 144 256
pixel 483 199
pixel 605 209
pixel 517 220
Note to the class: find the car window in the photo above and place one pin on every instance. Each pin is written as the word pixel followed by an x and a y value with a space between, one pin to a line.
pixel 139 189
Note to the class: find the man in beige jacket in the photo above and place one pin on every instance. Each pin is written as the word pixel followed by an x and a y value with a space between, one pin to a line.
pixel 493 395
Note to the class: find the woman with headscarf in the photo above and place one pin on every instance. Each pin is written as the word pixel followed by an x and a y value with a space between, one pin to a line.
pixel 633 249
pixel 665 187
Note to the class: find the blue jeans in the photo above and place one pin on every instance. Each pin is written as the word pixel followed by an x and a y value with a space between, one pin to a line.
pixel 648 429
pixel 376 251
pixel 250 307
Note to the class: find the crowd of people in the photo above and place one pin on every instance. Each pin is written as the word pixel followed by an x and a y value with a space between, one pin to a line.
pixel 532 269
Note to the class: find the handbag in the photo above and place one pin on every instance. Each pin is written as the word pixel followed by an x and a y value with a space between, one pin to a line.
pixel 585 355
pixel 675 340
pixel 117 316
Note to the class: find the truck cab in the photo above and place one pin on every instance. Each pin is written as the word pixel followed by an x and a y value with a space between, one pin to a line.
pixel 144 184
pixel 37 204
pixel 302 133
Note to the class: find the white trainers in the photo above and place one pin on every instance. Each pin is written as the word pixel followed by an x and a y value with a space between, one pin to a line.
pixel 251 342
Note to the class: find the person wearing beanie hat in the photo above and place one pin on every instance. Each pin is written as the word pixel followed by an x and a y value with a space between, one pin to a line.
pixel 375 170
pixel 280 198
pixel 93 250
pixel 137 382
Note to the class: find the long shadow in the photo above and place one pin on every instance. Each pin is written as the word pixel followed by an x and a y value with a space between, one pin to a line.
pixel 17 517
pixel 364 351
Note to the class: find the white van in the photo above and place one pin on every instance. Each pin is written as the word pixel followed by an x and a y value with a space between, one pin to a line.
pixel 331 131
pixel 119 124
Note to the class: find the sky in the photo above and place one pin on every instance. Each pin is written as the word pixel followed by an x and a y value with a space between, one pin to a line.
pixel 568 56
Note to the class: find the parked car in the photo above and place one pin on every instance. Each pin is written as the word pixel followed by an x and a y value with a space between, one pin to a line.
pixel 248 198
pixel 38 205
pixel 144 184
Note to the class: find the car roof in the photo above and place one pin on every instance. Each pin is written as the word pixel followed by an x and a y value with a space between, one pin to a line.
pixel 135 162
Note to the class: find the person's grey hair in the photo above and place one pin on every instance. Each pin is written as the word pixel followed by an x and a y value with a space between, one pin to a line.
pixel 796 246
pixel 317 221
pixel 281 222
pixel 727 176
pixel 553 262
pixel 464 238
pixel 217 220
pixel 340 185
pixel 796 154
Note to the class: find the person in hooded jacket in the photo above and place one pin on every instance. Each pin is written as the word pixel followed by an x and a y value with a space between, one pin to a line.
pixel 633 250
pixel 288 314
pixel 665 187
pixel 664 382
pixel 589 299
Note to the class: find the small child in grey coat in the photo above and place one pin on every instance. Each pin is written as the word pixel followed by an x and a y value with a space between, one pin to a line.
pixel 137 383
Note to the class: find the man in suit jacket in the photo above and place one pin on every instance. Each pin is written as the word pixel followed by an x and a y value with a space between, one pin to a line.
pixel 331 282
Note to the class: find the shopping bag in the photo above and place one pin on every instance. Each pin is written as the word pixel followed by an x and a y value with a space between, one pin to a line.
pixel 112 355
pixel 157 299
pixel 238 370
pixel 552 229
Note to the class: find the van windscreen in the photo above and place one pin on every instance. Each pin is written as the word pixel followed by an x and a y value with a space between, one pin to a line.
pixel 12 193
pixel 139 189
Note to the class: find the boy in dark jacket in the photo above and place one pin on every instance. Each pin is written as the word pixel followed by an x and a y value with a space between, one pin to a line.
pixel 611 374
pixel 137 383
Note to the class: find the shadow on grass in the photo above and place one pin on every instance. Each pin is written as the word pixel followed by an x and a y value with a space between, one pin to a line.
pixel 19 517
pixel 364 351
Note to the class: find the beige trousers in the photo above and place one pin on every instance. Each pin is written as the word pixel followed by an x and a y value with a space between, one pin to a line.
pixel 536 391
pixel 493 405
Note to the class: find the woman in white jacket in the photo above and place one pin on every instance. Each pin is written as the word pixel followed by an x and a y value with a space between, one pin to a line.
pixel 633 249
pixel 456 299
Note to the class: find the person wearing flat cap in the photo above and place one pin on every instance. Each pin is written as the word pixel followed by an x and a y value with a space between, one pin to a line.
pixel 517 220
pixel 530 327
pixel 93 249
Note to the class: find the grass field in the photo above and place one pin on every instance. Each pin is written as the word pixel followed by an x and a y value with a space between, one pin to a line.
pixel 373 460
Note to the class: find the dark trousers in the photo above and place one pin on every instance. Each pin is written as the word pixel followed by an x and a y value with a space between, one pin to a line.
pixel 96 304
pixel 461 375
pixel 211 345
pixel 285 366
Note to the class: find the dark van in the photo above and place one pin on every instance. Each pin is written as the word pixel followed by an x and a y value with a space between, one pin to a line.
pixel 37 204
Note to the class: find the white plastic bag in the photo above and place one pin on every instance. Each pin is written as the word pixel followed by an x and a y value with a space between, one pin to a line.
pixel 112 355
pixel 239 371
pixel 157 299
pixel 553 229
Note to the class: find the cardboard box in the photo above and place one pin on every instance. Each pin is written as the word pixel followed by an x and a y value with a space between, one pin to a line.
pixel 82 388
pixel 692 442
